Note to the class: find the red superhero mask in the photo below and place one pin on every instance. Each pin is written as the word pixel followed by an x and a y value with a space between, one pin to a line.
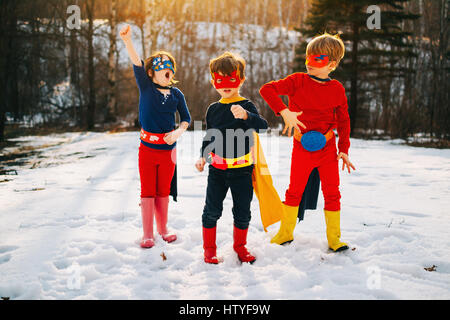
pixel 231 81
pixel 317 61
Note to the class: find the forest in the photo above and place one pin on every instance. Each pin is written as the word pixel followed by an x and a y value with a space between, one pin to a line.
pixel 57 77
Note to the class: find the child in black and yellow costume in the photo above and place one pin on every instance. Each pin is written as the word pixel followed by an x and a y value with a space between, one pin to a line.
pixel 227 146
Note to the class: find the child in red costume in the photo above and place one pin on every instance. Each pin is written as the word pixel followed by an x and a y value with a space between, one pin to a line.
pixel 158 104
pixel 317 105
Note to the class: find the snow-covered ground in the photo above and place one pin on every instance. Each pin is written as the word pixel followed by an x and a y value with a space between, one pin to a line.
pixel 70 227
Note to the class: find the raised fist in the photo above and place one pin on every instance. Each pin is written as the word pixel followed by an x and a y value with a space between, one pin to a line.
pixel 125 32
pixel 239 112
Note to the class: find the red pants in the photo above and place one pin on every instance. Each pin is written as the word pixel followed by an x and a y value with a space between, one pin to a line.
pixel 156 168
pixel 303 162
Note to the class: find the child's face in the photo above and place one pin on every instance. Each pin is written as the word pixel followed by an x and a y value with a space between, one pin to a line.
pixel 163 77
pixel 321 72
pixel 226 93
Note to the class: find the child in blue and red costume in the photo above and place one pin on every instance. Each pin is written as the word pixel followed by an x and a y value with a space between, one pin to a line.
pixel 317 105
pixel 158 103
pixel 228 144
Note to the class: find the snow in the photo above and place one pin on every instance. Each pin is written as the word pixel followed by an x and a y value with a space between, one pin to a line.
pixel 70 228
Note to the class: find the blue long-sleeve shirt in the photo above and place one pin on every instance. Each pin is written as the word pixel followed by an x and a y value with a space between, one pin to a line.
pixel 156 111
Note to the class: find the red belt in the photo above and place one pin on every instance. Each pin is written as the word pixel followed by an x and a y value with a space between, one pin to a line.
pixel 153 138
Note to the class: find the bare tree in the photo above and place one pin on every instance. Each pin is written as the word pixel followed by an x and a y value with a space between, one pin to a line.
pixel 90 114
pixel 111 109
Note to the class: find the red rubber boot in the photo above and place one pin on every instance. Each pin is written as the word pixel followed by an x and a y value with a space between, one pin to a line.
pixel 240 240
pixel 147 212
pixel 161 213
pixel 209 245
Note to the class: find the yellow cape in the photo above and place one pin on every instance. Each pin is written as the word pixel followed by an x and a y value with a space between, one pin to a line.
pixel 270 205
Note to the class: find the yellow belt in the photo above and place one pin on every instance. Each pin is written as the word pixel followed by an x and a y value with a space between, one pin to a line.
pixel 231 163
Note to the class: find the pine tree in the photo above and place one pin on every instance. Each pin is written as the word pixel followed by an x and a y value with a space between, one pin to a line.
pixel 370 54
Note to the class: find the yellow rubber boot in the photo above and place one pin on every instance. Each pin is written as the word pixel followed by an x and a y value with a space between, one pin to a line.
pixel 288 222
pixel 332 220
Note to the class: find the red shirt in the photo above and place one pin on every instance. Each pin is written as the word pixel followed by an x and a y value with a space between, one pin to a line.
pixel 324 105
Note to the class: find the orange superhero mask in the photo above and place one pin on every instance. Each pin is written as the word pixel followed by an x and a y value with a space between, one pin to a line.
pixel 317 60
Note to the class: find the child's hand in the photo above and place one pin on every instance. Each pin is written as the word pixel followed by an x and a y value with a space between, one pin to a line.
pixel 200 164
pixel 125 33
pixel 239 112
pixel 346 162
pixel 171 137
pixel 291 121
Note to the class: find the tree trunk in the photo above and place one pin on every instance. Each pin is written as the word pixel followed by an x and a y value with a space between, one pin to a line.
pixel 354 77
pixel 12 64
pixel 3 75
pixel 74 74
pixel 443 89
pixel 35 67
pixel 91 70
pixel 144 7
pixel 112 99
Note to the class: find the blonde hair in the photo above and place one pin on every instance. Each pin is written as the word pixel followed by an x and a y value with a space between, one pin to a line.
pixel 328 44
pixel 148 63
pixel 227 63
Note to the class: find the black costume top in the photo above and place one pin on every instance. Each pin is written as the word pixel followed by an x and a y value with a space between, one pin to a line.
pixel 227 136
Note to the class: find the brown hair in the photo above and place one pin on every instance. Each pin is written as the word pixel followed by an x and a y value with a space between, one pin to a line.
pixel 227 63
pixel 148 63
pixel 328 44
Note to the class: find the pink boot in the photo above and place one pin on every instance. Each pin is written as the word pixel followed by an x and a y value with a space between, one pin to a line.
pixel 147 211
pixel 162 208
